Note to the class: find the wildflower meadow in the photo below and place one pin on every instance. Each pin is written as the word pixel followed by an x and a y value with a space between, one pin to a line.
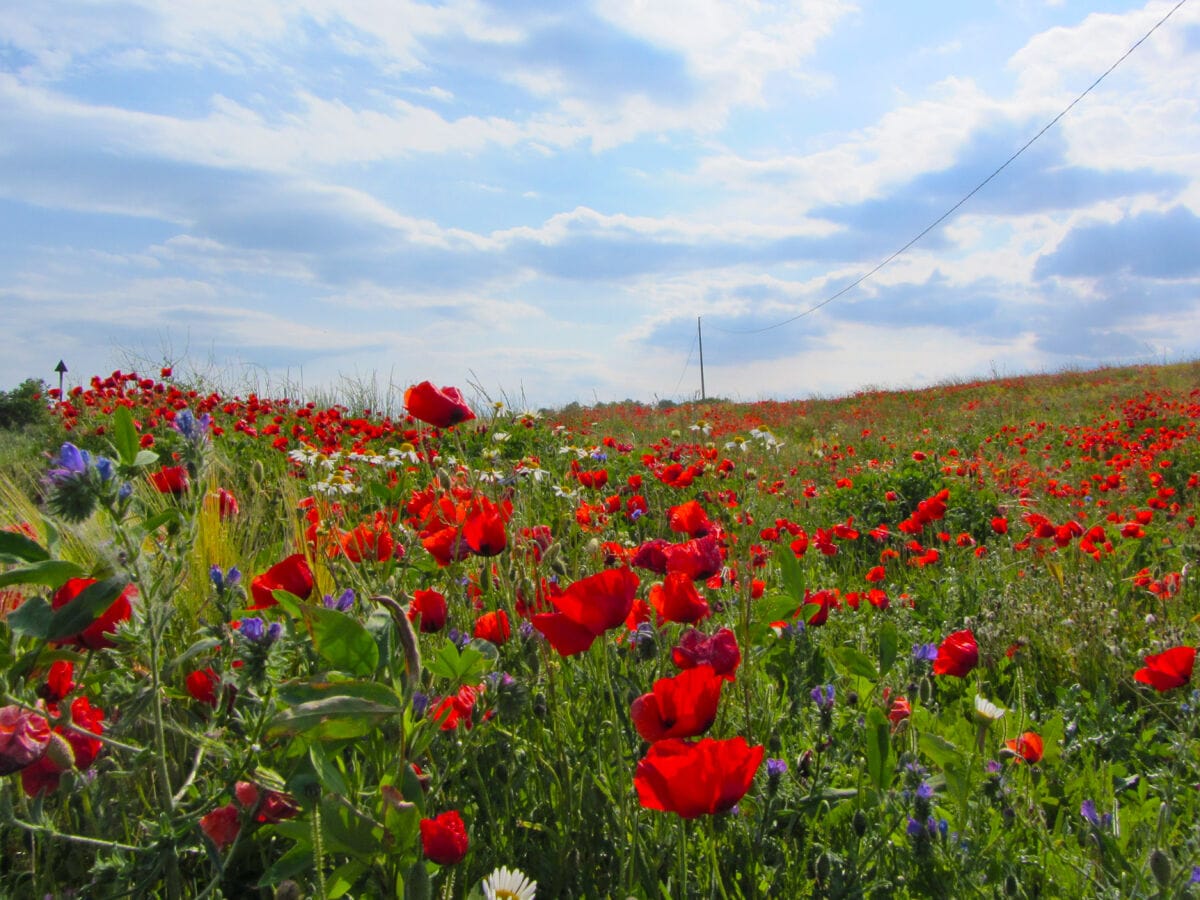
pixel 934 643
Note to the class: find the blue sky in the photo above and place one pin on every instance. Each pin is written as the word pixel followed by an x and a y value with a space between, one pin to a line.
pixel 540 199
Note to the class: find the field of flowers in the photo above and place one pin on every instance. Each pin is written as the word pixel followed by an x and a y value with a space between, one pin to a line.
pixel 907 644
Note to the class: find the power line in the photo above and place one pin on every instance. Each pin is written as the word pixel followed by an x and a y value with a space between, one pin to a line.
pixel 686 363
pixel 975 190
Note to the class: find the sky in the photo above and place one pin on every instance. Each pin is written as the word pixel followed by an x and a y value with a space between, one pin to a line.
pixel 539 202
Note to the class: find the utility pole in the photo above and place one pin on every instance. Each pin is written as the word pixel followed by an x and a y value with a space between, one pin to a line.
pixel 700 340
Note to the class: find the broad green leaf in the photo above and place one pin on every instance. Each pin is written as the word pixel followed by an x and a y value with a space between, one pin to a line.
pixel 327 771
pixel 294 693
pixel 888 643
pixel 144 459
pixel 50 572
pixel 789 568
pixel 296 861
pixel 17 548
pixel 31 618
pixel 854 662
pixel 879 747
pixel 332 718
pixel 91 603
pixel 341 640
pixel 201 646
pixel 124 436
pixel 344 877
pixel 463 666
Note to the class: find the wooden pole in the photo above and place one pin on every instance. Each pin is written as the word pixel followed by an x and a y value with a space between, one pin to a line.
pixel 700 340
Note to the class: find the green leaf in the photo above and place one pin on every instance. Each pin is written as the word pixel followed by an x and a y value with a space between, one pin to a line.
pixel 333 718
pixel 789 568
pixel 15 547
pixel 888 644
pixel 327 771
pixel 854 662
pixel 31 618
pixel 341 640
pixel 344 877
pixel 952 763
pixel 124 436
pixel 144 459
pixel 294 693
pixel 461 667
pixel 91 603
pixel 296 861
pixel 50 572
pixel 879 747
pixel 201 646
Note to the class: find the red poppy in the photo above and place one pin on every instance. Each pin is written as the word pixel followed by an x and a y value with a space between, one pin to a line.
pixel 483 527
pixel 690 518
pixel 444 838
pixel 430 605
pixel 60 680
pixel 652 555
pixel 719 651
pixel 696 778
pixel 493 627
pixel 170 480
pixel 24 737
pixel 222 825
pixel 1169 669
pixel 1027 747
pixel 224 501
pixel 957 655
pixel 45 773
pixel 457 708
pixel 677 600
pixel 587 609
pixel 94 637
pixel 678 707
pixel 266 806
pixel 699 558
pixel 899 711
pixel 202 684
pixel 291 574
pixel 439 408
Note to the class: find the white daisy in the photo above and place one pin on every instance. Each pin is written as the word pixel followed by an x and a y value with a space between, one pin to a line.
pixel 508 884
pixel 986 710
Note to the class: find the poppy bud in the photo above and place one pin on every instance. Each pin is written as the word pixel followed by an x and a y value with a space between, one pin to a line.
pixel 859 823
pixel 1160 867
pixel 60 752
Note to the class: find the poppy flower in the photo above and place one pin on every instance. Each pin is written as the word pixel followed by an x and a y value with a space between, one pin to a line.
pixel 678 707
pixel 439 408
pixel 899 711
pixel 587 609
pixel 699 558
pixel 222 825
pixel 202 684
pixel 444 838
pixel 60 680
pixel 456 708
pixel 80 750
pixel 689 518
pixel 267 807
pixel 291 574
pixel 170 480
pixel 652 555
pixel 1027 747
pixel 24 737
pixel 94 636
pixel 1169 669
pixel 957 655
pixel 719 651
pixel 493 627
pixel 483 527
pixel 430 605
pixel 696 778
pixel 677 600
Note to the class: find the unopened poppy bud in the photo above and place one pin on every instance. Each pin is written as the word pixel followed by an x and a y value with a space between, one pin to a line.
pixel 859 822
pixel 443 478
pixel 288 890
pixel 824 867
pixel 59 752
pixel 804 764
pixel 1160 867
